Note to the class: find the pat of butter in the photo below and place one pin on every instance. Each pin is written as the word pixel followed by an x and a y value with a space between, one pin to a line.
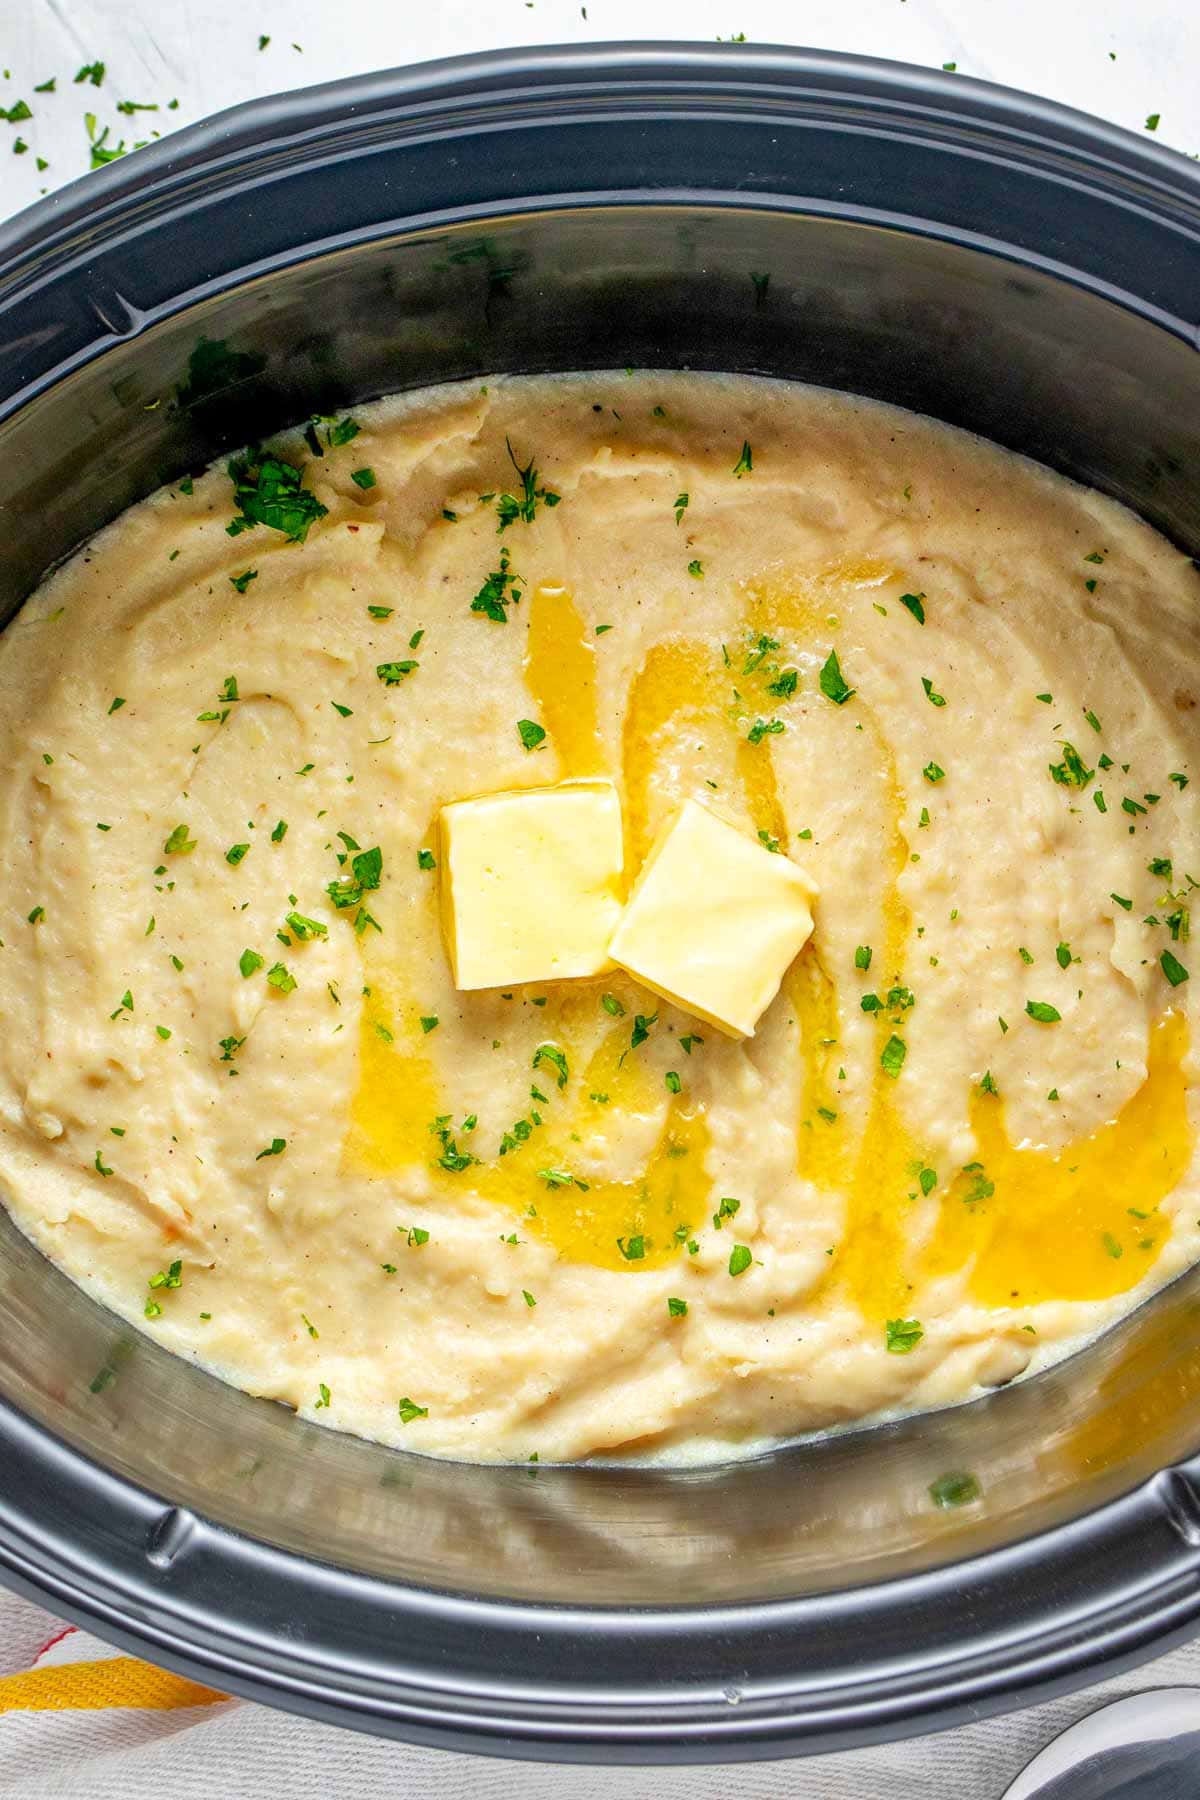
pixel 531 883
pixel 713 921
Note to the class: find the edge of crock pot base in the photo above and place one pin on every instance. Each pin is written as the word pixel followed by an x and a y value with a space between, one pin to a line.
pixel 304 111
pixel 137 1597
pixel 76 218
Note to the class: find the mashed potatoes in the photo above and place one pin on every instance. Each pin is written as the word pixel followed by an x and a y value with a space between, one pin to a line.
pixel 241 1101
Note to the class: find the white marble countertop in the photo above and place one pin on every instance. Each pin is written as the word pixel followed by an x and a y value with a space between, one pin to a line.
pixel 1130 61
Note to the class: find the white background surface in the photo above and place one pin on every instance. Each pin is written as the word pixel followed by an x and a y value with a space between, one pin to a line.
pixel 1118 58
pixel 205 54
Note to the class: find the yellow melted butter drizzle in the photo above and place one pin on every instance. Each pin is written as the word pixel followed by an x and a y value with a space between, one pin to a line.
pixel 560 673
pixel 399 1096
pixel 1040 1235
pixel 876 1174
pixel 1050 1228
pixel 1058 1225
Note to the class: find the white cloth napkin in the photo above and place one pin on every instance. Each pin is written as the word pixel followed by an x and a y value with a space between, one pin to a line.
pixel 78 1721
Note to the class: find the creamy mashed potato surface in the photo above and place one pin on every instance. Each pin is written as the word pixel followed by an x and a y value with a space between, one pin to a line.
pixel 244 1106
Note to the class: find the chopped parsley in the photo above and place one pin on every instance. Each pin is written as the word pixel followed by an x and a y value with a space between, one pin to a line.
pixel 235 853
pixel 745 462
pixel 363 478
pixel 366 870
pixel 426 859
pixel 498 592
pixel 392 673
pixel 554 1058
pixel 981 1188
pixel 641 1028
pixel 1043 1012
pixel 429 1022
pixel 672 1081
pixel 270 492
pixel 769 842
pixel 249 961
pixel 511 507
pixel 531 734
pixel 764 728
pixel 933 772
pixel 891 1059
pixel 862 956
pixel 915 605
pixel 117 704
pixel 1063 955
pixel 276 1147
pixel 1172 969
pixel 1126 905
pixel 903 1335
pixel 303 929
pixel 934 698
pixel 281 979
pixel 242 582
pixel 556 1178
pixel 740 1259
pixel 928 1180
pixel 452 1159
pixel 179 843
pixel 832 684
pixel 409 1410
pixel 696 569
pixel 633 1249
pixel 681 506
pixel 956 1489
pixel 381 612
pixel 676 1309
pixel 1071 771
pixel 612 1006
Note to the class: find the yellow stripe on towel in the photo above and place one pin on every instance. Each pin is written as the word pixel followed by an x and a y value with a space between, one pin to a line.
pixel 117 1681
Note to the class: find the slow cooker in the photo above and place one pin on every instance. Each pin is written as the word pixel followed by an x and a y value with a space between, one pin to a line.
pixel 975 254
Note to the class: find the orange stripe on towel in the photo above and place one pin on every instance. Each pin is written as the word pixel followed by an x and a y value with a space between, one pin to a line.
pixel 117 1681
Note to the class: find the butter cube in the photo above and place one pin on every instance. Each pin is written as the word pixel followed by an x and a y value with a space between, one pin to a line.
pixel 713 921
pixel 531 883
